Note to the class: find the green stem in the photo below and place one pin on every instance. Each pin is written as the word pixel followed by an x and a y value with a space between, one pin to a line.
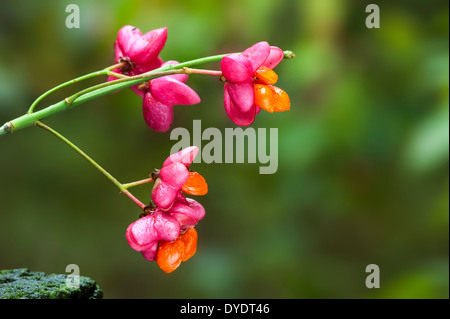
pixel 137 183
pixel 126 80
pixel 117 75
pixel 73 101
pixel 199 71
pixel 81 78
pixel 91 161
pixel 106 88
pixel 105 71
pixel 80 98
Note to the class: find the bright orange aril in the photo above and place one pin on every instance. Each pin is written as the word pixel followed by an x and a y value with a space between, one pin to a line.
pixel 271 98
pixel 263 97
pixel 189 238
pixel 281 101
pixel 265 75
pixel 195 185
pixel 169 255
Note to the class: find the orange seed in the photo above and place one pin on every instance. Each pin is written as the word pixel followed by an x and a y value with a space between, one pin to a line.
pixel 169 255
pixel 189 238
pixel 265 75
pixel 271 98
pixel 281 100
pixel 195 185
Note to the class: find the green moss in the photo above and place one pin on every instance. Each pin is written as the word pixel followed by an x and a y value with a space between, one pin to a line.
pixel 24 284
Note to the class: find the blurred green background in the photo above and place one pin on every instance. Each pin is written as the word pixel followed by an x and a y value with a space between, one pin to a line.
pixel 363 154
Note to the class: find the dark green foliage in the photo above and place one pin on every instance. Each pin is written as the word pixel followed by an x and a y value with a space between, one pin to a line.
pixel 24 284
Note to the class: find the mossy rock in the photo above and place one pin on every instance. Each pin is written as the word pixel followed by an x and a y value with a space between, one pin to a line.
pixel 24 284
